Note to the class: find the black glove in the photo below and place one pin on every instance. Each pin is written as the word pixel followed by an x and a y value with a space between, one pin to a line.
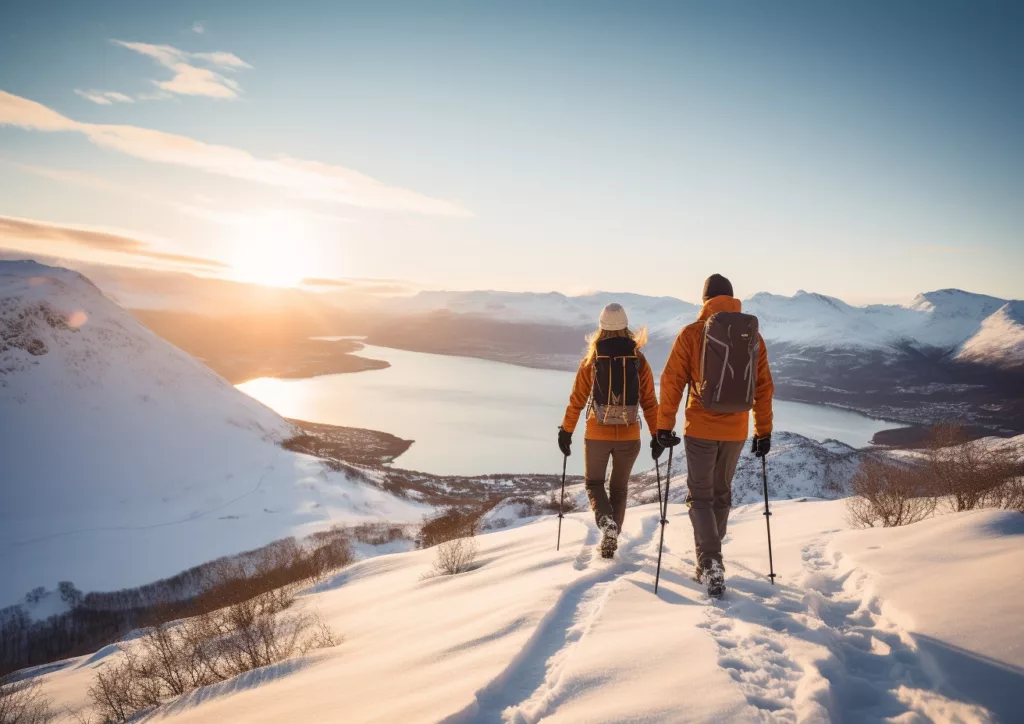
pixel 656 448
pixel 667 438
pixel 761 445
pixel 564 442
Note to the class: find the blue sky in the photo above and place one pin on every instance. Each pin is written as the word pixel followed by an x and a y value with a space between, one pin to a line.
pixel 868 150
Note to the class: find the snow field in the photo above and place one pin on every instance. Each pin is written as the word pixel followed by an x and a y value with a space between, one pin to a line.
pixel 531 634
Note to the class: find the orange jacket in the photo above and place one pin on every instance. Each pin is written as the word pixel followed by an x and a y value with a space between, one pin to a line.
pixel 581 390
pixel 683 368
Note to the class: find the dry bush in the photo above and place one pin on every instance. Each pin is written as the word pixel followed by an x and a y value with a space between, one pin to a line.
pixel 21 702
pixel 98 619
pixel 968 473
pixel 449 524
pixel 455 556
pixel 1010 495
pixel 568 506
pixel 888 496
pixel 172 659
pixel 376 534
pixel 327 554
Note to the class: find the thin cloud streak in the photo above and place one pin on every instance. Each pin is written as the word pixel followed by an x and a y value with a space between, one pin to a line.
pixel 104 98
pixel 307 179
pixel 15 229
pixel 190 79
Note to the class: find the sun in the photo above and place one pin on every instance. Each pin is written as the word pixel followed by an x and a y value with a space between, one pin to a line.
pixel 271 248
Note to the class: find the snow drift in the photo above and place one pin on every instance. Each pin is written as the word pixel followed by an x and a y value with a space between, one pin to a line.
pixel 123 459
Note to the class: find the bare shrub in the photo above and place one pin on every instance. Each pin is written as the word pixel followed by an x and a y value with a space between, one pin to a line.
pixel 554 502
pixel 326 554
pixel 968 473
pixel 98 619
pixel 1010 495
pixel 889 496
pixel 449 524
pixel 376 534
pixel 172 659
pixel 455 556
pixel 21 702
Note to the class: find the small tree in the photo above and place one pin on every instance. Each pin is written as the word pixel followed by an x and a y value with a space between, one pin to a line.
pixel 889 496
pixel 69 594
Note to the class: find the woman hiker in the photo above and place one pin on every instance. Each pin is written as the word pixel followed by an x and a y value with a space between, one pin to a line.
pixel 613 382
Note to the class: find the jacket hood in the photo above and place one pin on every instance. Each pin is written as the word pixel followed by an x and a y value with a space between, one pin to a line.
pixel 718 304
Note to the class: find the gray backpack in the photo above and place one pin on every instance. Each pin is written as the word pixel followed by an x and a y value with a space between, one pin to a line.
pixel 728 363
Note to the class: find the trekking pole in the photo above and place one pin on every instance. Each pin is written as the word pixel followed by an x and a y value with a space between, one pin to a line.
pixel 768 519
pixel 663 504
pixel 657 472
pixel 561 504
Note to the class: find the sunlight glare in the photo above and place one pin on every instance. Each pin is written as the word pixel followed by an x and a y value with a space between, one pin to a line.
pixel 272 248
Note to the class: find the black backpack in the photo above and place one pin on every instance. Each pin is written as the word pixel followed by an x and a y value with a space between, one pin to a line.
pixel 728 362
pixel 615 397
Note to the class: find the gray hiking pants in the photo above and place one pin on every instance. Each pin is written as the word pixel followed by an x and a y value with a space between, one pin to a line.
pixel 710 465
pixel 623 454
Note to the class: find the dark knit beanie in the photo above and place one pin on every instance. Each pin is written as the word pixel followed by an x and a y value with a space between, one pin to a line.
pixel 717 286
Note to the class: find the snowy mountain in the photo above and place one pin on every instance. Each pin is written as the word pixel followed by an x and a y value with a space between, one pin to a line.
pixel 1000 341
pixel 549 308
pixel 949 354
pixel 123 459
pixel 862 625
pixel 940 320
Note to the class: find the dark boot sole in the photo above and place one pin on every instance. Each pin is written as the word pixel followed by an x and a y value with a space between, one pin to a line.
pixel 608 547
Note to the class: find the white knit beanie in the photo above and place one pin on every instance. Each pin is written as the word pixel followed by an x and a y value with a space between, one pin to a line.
pixel 613 318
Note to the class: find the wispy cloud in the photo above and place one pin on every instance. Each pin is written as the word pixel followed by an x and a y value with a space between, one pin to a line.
pixel 123 191
pixel 198 28
pixel 104 98
pixel 360 286
pixel 191 78
pixel 13 229
pixel 305 179
pixel 323 282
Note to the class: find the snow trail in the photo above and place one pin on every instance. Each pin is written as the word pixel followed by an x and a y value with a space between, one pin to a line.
pixel 530 687
pixel 827 649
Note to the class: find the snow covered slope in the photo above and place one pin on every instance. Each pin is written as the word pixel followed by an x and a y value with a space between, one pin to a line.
pixel 862 626
pixel 123 459
pixel 1000 341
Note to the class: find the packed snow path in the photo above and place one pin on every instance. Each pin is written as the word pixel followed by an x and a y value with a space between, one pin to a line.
pixel 860 627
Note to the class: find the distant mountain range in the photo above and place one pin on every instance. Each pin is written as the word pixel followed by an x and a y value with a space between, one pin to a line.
pixel 952 322
pixel 949 355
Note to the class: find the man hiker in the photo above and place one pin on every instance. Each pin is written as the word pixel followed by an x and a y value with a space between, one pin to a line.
pixel 723 359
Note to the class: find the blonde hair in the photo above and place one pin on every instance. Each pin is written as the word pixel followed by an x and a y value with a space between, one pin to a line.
pixel 639 338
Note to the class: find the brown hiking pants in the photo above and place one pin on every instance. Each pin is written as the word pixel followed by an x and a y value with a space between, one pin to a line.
pixel 623 454
pixel 710 465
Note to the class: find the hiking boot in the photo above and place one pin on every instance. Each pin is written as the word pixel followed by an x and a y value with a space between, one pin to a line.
pixel 698 574
pixel 714 579
pixel 609 538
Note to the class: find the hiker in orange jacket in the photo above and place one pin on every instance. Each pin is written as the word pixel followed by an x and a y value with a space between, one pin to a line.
pixel 713 441
pixel 612 381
